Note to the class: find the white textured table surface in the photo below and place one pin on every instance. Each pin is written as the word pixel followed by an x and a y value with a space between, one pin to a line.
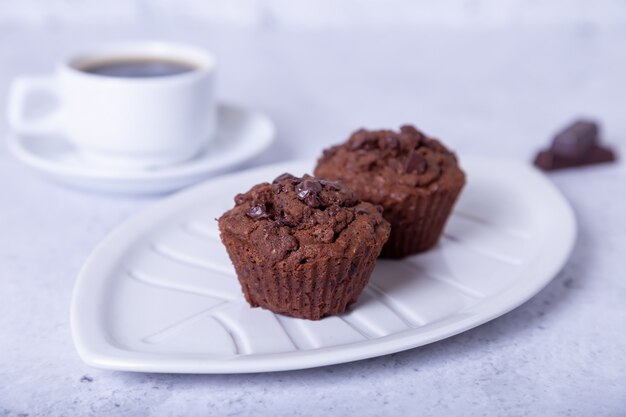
pixel 488 91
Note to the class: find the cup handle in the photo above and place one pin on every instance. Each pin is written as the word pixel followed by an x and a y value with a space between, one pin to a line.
pixel 21 88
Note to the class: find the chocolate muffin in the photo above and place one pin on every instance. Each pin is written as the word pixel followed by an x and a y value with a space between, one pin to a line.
pixel 303 247
pixel 414 177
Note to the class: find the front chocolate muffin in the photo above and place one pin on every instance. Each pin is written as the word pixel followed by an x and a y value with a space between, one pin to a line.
pixel 414 177
pixel 303 247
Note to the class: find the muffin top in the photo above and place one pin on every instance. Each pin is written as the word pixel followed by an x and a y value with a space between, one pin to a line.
pixel 403 162
pixel 295 217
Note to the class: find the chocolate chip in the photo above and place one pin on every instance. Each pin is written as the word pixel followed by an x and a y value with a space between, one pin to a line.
pixel 362 140
pixel 240 199
pixel 392 142
pixel 576 140
pixel 354 265
pixel 256 213
pixel 283 177
pixel 335 185
pixel 307 187
pixel 284 222
pixel 351 201
pixel 312 200
pixel 410 130
pixel 415 164
pixel 361 210
pixel 333 210
pixel 433 144
pixel 308 191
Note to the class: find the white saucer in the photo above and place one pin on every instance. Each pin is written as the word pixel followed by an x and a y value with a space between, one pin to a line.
pixel 241 135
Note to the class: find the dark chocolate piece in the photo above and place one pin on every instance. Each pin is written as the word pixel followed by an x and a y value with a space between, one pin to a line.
pixel 576 145
pixel 576 140
pixel 548 161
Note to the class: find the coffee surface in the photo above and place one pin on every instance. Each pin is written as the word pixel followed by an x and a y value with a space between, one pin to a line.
pixel 137 67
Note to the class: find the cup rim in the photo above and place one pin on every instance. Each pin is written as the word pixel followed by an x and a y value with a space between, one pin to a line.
pixel 205 61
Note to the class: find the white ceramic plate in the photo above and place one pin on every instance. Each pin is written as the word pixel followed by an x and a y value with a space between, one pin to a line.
pixel 160 294
pixel 241 135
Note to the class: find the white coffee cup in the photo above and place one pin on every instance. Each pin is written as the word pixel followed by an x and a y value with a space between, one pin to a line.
pixel 124 121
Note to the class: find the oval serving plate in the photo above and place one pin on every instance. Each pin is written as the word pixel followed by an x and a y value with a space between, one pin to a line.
pixel 159 294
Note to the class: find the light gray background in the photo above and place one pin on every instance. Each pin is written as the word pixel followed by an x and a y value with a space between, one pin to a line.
pixel 488 77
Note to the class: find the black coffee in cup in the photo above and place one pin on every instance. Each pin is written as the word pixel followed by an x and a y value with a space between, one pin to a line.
pixel 136 67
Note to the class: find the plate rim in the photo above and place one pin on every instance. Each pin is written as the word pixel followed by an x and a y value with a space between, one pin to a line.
pixel 115 358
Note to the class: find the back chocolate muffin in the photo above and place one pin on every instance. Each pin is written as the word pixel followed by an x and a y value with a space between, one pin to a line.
pixel 413 177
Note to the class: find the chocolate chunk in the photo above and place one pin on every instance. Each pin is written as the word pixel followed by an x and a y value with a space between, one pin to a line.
pixel 257 212
pixel 240 199
pixel 576 145
pixel 410 130
pixel 312 200
pixel 576 140
pixel 284 222
pixel 308 188
pixel 281 201
pixel 354 266
pixel 392 142
pixel 282 177
pixel 362 140
pixel 415 164
pixel 335 185
pixel 548 161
